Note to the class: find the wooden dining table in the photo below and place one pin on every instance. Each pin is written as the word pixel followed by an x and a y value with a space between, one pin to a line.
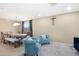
pixel 18 35
pixel 12 38
pixel 15 38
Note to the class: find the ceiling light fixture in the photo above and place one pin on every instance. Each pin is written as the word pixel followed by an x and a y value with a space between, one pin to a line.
pixel 68 8
pixel 21 18
pixel 39 15
pixel 16 24
pixel 52 4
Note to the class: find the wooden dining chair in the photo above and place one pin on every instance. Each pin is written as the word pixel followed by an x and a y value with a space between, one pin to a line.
pixel 2 38
pixel 8 40
pixel 29 34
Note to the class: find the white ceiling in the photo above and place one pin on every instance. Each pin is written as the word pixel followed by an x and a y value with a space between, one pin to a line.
pixel 29 11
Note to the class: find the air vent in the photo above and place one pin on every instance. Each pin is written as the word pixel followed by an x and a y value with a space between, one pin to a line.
pixel 53 4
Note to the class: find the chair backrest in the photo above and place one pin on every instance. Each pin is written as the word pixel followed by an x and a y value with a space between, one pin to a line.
pixel 2 36
pixel 44 36
pixel 29 34
pixel 44 39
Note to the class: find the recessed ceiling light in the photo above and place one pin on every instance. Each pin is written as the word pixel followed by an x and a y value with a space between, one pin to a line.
pixel 68 8
pixel 39 15
pixel 16 24
pixel 52 4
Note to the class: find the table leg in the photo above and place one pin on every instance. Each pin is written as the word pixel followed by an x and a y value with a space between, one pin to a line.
pixel 16 44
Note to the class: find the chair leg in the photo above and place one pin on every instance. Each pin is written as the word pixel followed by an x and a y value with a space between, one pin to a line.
pixel 4 42
pixel 15 44
pixel 36 54
pixel 25 54
pixel 9 43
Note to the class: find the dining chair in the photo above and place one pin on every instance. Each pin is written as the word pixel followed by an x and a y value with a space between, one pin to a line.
pixel 2 38
pixel 8 40
pixel 29 34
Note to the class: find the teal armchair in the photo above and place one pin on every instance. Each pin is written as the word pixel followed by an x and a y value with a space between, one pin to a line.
pixel 30 47
pixel 44 39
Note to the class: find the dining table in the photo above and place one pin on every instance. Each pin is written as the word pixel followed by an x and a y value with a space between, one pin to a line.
pixel 17 38
pixel 18 35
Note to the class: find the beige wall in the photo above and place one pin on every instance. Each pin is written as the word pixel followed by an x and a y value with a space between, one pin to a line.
pixel 6 26
pixel 65 28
